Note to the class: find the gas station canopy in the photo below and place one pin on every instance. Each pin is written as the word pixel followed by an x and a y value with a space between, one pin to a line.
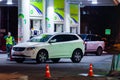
pixel 93 2
pixel 81 2
pixel 8 2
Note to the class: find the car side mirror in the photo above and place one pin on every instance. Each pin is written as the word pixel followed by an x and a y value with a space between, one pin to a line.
pixel 52 41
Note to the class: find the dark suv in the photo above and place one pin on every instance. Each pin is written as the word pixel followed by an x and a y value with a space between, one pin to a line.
pixel 93 43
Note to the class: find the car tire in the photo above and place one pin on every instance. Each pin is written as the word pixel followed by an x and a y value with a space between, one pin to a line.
pixel 55 60
pixel 99 51
pixel 19 60
pixel 76 56
pixel 42 56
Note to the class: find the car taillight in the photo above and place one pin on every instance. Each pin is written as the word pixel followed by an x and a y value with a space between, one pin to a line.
pixel 84 42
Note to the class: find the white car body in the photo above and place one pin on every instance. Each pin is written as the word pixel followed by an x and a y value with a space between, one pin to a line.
pixel 63 49
pixel 92 46
pixel 93 43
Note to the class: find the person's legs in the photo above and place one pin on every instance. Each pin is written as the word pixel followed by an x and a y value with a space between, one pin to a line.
pixel 8 47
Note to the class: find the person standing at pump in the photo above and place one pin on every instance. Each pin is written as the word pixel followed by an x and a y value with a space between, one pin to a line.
pixel 10 41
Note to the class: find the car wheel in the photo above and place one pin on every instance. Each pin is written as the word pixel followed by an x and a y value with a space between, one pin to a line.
pixel 42 56
pixel 77 56
pixel 99 51
pixel 55 60
pixel 19 60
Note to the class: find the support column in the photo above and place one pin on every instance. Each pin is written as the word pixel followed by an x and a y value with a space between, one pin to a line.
pixel 44 16
pixel 79 21
pixel 23 21
pixel 67 17
pixel 50 16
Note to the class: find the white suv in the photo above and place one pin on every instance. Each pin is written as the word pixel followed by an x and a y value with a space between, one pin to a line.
pixel 93 43
pixel 50 46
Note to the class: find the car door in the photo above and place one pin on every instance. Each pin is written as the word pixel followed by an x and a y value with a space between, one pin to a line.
pixel 90 43
pixel 94 42
pixel 57 47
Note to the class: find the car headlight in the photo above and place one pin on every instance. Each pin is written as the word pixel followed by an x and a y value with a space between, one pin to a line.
pixel 30 48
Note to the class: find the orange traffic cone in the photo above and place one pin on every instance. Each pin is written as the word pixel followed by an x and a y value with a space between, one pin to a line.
pixel 47 73
pixel 90 73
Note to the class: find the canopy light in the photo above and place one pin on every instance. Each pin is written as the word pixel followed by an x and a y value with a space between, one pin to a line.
pixel 9 2
pixel 94 1
pixel 0 0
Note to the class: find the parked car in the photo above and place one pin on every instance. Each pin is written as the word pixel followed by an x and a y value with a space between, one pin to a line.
pixel 93 43
pixel 50 46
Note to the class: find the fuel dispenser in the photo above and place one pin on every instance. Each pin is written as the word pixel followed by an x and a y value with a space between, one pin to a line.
pixel 36 27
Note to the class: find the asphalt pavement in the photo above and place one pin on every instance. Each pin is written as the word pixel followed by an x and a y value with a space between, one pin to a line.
pixel 64 64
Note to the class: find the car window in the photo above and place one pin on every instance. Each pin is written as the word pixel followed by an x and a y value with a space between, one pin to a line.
pixel 41 38
pixel 63 38
pixel 71 37
pixel 58 38
pixel 98 38
pixel 83 36
pixel 88 38
pixel 93 38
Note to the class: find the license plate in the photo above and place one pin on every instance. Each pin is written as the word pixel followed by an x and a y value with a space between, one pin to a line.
pixel 18 53
pixel 18 57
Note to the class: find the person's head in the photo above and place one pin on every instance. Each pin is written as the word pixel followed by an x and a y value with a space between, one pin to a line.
pixel 9 33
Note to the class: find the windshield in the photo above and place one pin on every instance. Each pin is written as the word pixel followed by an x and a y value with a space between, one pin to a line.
pixel 83 36
pixel 40 38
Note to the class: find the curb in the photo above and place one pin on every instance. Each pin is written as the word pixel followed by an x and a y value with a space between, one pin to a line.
pixel 13 76
pixel 82 78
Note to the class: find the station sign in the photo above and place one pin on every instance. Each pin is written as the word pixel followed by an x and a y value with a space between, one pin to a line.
pixel 74 11
pixel 59 10
pixel 107 31
pixel 36 8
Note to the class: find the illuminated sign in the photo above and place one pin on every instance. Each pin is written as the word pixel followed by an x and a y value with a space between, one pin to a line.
pixel 74 10
pixel 36 7
pixel 59 10
pixel 35 0
pixel 107 31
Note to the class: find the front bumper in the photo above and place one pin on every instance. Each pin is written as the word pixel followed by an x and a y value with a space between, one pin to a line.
pixel 24 54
